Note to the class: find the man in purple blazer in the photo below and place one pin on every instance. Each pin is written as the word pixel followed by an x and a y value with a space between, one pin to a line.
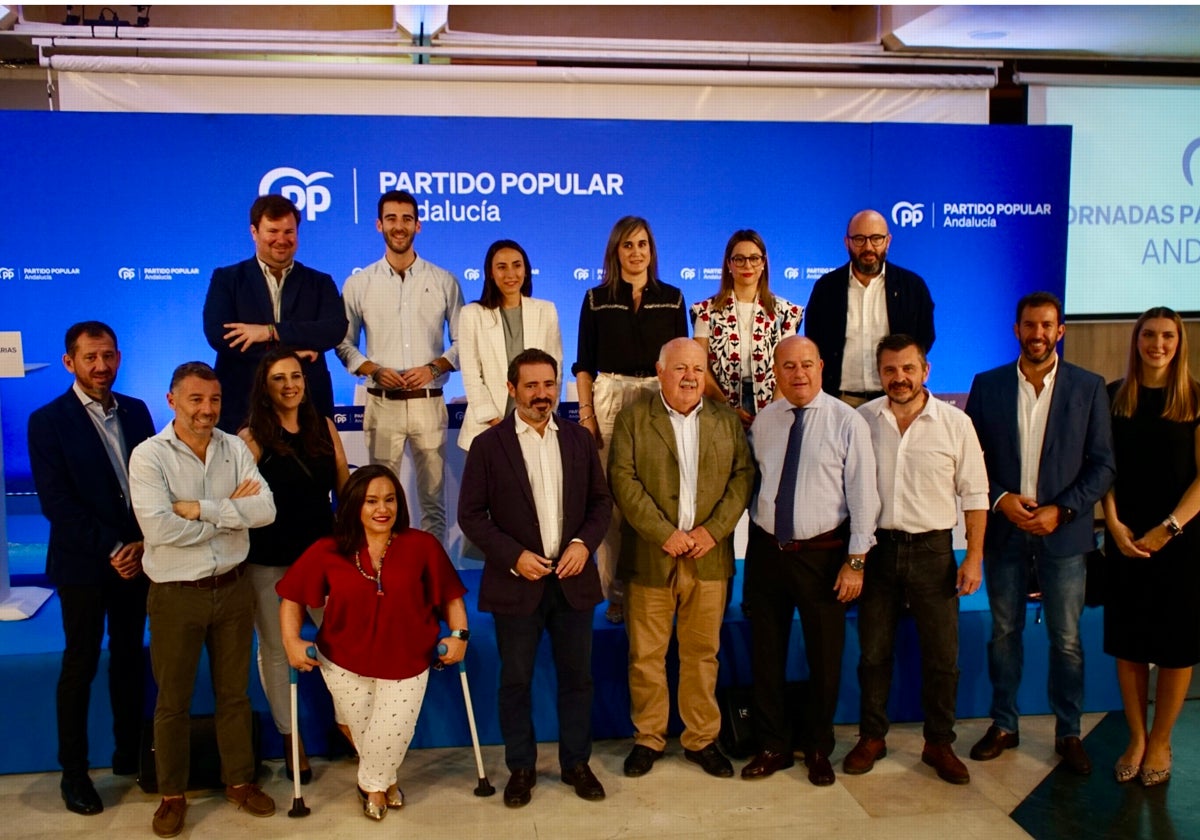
pixel 536 502
pixel 266 301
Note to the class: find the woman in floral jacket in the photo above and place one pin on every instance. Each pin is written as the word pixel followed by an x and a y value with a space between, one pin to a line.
pixel 739 327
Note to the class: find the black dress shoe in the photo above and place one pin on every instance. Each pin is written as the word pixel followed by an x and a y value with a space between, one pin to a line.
pixel 994 742
pixel 586 785
pixel 767 763
pixel 711 760
pixel 305 775
pixel 1074 755
pixel 820 771
pixel 125 763
pixel 519 789
pixel 640 760
pixel 80 795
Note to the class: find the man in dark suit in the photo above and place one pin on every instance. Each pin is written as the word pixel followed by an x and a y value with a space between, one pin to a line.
pixel 269 300
pixel 1047 441
pixel 535 501
pixel 851 308
pixel 79 447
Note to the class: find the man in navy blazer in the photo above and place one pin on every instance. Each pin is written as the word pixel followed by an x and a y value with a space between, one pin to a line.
pixel 79 447
pixel 270 300
pixel 535 500
pixel 851 308
pixel 1047 442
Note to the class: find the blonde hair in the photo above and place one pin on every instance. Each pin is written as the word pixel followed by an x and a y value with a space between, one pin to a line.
pixel 1183 393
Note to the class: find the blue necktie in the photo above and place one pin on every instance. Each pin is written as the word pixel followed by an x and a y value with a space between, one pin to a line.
pixel 785 497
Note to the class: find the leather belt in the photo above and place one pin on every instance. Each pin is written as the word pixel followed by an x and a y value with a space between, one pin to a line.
pixel 863 395
pixel 834 540
pixel 216 581
pixel 400 394
pixel 633 374
pixel 906 537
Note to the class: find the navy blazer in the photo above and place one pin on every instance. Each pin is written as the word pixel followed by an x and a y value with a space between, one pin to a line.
pixel 78 488
pixel 497 513
pixel 909 310
pixel 1077 465
pixel 312 317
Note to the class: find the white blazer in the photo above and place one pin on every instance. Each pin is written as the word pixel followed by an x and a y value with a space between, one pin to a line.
pixel 484 359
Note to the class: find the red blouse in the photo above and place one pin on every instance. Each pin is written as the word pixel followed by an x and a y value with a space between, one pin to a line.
pixel 392 636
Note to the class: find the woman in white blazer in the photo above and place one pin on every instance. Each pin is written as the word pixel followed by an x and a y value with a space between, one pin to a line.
pixel 503 322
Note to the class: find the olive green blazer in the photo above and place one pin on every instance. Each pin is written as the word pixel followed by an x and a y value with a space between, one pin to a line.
pixel 643 472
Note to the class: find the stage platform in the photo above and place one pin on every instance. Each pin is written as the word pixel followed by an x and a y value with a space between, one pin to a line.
pixel 30 652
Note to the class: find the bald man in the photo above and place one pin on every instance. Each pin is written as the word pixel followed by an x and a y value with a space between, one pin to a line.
pixel 851 308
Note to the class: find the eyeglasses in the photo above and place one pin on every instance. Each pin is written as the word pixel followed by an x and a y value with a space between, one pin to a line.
pixel 876 239
pixel 754 260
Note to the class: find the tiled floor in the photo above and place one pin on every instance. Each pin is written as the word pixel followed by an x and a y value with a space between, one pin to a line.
pixel 900 799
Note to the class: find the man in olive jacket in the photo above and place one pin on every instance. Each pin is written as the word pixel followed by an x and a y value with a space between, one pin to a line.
pixel 681 472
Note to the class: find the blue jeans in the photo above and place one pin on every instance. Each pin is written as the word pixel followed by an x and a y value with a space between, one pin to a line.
pixel 1061 580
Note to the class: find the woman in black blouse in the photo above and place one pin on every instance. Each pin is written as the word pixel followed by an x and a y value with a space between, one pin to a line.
pixel 622 326
pixel 300 455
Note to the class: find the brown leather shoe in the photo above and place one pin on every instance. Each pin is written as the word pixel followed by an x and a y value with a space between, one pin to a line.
pixel 941 758
pixel 994 742
pixel 864 755
pixel 766 763
pixel 519 789
pixel 168 819
pixel 586 785
pixel 251 799
pixel 820 771
pixel 1074 755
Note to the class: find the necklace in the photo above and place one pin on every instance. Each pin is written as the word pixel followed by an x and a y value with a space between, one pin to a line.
pixel 378 576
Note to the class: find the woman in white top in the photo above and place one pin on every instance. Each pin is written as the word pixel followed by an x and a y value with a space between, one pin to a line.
pixel 740 325
pixel 492 331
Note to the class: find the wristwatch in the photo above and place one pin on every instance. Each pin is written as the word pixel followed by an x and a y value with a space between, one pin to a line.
pixel 1172 526
pixel 856 563
pixel 464 635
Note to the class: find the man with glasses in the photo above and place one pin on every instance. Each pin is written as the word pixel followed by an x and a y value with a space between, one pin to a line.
pixel 851 308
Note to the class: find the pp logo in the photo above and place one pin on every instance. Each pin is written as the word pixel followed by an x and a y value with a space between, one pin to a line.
pixel 582 274
pixel 471 274
pixel 907 214
pixel 126 273
pixel 791 273
pixel 340 418
pixel 308 196
pixel 687 274
pixel 1188 153
pixel 7 273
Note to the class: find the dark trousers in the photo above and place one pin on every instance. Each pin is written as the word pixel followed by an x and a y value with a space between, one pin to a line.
pixel 85 610
pixel 777 582
pixel 517 637
pixel 921 572
pixel 182 621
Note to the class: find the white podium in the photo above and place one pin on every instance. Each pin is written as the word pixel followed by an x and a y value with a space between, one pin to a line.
pixel 19 602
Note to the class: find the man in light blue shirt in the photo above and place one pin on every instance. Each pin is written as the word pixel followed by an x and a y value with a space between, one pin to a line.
pixel 812 523
pixel 405 306
pixel 196 493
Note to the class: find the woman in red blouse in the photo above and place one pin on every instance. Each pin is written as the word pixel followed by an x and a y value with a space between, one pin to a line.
pixel 383 585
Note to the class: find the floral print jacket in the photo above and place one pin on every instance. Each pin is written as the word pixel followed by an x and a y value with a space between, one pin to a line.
pixel 726 346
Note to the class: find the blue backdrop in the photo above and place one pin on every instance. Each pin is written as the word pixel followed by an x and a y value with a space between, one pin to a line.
pixel 123 217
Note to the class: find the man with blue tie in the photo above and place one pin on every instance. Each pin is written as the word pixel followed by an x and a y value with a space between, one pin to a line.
pixel 1046 434
pixel 79 447
pixel 812 523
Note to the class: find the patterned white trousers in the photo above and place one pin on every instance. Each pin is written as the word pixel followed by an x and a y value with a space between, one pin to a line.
pixel 381 714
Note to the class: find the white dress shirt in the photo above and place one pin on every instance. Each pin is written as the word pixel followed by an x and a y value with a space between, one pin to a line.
pixel 543 464
pixel 687 445
pixel 924 473
pixel 866 323
pixel 275 286
pixel 1033 409
pixel 108 426
pixel 163 470
pixel 405 320
pixel 836 478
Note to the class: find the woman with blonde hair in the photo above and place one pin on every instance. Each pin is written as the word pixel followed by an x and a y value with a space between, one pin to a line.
pixel 1152 608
